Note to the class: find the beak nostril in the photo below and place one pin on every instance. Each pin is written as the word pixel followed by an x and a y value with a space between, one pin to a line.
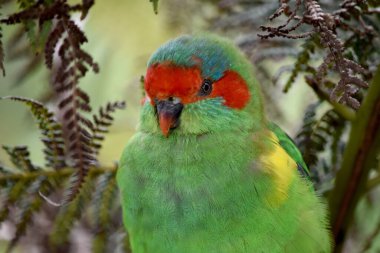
pixel 171 99
pixel 176 100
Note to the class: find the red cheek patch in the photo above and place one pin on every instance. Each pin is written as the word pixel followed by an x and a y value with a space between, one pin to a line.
pixel 165 80
pixel 233 89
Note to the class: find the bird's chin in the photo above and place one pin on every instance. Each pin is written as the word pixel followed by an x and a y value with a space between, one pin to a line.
pixel 179 133
pixel 202 136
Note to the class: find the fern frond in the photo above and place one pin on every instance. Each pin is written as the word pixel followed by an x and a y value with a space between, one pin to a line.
pixel 20 200
pixel 314 136
pixel 155 5
pixel 314 133
pixel 20 157
pixel 324 25
pixel 30 204
pixel 51 130
pixel 73 100
pixel 13 195
pixel 76 182
pixel 69 214
pixel 102 122
pixel 302 61
pixel 30 12
pixel 71 141
pixel 86 5
pixel 104 198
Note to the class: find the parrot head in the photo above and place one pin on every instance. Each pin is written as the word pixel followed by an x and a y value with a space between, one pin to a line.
pixel 197 85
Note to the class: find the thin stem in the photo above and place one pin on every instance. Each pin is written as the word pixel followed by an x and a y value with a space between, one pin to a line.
pixel 53 173
pixel 359 156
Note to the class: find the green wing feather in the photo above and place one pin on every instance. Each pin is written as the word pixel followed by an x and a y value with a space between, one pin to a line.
pixel 290 147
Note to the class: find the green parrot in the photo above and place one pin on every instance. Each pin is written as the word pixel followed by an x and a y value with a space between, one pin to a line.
pixel 206 171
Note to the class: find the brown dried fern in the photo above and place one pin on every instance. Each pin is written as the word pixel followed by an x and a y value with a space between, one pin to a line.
pixel 102 122
pixel 70 67
pixel 325 25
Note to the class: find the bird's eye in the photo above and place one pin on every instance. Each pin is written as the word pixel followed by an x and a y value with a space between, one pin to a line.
pixel 206 87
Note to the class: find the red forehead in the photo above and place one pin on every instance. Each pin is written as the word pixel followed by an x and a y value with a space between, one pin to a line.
pixel 165 80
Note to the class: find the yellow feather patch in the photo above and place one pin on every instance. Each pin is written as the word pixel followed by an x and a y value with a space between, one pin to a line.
pixel 281 167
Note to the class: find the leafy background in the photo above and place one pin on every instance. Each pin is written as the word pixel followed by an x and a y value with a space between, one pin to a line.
pixel 315 87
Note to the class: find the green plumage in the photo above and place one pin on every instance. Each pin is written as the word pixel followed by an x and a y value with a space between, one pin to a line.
pixel 209 187
pixel 290 147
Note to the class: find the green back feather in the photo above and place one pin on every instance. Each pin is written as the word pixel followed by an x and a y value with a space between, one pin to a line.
pixel 290 147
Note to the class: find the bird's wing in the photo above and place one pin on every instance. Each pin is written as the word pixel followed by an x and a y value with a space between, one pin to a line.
pixel 282 161
pixel 291 149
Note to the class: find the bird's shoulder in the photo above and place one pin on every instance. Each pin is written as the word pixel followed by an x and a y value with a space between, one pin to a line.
pixel 285 142
pixel 281 160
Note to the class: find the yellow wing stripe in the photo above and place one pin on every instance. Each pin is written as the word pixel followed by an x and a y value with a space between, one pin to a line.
pixel 281 167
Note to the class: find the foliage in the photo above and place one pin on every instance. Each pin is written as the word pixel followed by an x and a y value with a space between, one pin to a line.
pixel 155 5
pixel 315 136
pixel 357 20
pixel 72 141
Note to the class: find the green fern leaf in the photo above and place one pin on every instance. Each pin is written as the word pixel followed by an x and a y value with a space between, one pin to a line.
pixel 30 205
pixel 51 132
pixel 313 138
pixel 155 5
pixel 20 157
pixel 69 213
pixel 302 60
pixel 14 194
pixel 104 199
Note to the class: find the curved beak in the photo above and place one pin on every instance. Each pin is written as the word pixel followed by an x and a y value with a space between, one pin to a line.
pixel 168 112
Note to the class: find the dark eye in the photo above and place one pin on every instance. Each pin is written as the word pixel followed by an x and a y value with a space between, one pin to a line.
pixel 206 87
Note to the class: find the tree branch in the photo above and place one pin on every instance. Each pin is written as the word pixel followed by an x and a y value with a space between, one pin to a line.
pixel 359 156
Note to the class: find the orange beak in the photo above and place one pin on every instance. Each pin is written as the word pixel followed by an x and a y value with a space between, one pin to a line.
pixel 166 123
pixel 168 112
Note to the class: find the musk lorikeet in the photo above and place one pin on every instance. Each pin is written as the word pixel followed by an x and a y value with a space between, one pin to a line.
pixel 207 172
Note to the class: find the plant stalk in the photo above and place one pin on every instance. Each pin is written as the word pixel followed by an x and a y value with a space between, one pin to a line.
pixel 359 157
